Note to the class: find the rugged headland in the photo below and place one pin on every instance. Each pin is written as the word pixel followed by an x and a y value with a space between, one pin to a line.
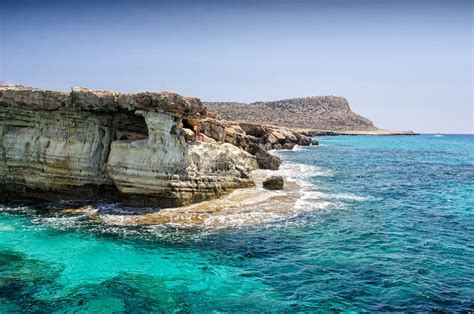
pixel 150 149
pixel 320 115
pixel 138 148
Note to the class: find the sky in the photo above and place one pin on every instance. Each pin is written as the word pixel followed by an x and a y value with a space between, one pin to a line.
pixel 406 65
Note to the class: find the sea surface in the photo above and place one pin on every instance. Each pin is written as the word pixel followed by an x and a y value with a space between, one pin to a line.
pixel 384 224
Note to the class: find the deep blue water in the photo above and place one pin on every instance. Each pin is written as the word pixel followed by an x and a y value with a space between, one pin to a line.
pixel 387 224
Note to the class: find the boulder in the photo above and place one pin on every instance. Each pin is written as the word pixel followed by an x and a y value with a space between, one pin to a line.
pixel 253 129
pixel 214 128
pixel 273 183
pixel 265 160
pixel 288 146
pixel 188 134
pixel 275 137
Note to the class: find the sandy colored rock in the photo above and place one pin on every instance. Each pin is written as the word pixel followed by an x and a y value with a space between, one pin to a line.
pixel 106 145
pixel 242 207
pixel 320 112
pixel 257 139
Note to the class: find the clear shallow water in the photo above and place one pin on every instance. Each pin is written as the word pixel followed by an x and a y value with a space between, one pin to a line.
pixel 387 224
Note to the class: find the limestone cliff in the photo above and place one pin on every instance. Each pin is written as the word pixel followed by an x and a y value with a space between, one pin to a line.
pixel 319 113
pixel 106 145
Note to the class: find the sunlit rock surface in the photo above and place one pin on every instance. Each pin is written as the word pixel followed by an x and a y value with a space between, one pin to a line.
pixel 255 138
pixel 316 113
pixel 106 145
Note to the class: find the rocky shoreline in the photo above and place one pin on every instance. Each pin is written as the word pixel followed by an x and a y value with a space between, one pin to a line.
pixel 139 149
pixel 146 149
pixel 311 133
pixel 256 139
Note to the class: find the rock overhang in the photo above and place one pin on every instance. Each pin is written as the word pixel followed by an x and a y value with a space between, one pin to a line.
pixel 58 144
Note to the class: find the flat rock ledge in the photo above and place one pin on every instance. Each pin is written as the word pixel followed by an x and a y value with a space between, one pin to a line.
pixel 273 183
pixel 135 148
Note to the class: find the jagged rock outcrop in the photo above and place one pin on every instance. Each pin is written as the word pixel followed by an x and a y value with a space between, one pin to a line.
pixel 257 139
pixel 106 145
pixel 318 113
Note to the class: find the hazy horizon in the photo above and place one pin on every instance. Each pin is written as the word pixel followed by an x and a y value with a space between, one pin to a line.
pixel 405 65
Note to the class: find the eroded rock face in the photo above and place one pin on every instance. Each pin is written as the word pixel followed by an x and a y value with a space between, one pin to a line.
pixel 106 145
pixel 257 139
pixel 167 167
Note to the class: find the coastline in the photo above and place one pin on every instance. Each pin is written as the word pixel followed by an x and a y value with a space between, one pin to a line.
pixel 241 208
pixel 314 132
pixel 350 211
pixel 140 149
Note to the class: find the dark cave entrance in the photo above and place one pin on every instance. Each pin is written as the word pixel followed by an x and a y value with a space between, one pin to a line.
pixel 130 127
pixel 187 124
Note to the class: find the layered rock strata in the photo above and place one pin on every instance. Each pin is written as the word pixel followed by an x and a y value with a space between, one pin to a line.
pixel 105 145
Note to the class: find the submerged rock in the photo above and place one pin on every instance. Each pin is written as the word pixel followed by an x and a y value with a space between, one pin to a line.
pixel 273 183
pixel 105 145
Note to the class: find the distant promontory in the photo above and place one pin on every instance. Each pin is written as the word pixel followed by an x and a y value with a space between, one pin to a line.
pixel 331 114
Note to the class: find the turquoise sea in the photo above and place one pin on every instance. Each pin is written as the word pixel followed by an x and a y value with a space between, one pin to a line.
pixel 386 224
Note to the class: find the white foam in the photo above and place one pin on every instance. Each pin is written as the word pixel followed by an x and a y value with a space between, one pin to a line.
pixel 317 195
pixel 244 207
pixel 313 199
pixel 241 219
pixel 60 223
pixel 353 197
pixel 297 148
pixel 302 171
pixel 303 205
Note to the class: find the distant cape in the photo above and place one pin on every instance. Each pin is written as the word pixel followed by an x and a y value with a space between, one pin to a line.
pixel 331 113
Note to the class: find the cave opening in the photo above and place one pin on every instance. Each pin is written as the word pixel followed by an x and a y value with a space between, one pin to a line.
pixel 130 127
pixel 187 124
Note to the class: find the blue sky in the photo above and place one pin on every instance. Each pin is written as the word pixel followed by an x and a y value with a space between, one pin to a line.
pixel 407 65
